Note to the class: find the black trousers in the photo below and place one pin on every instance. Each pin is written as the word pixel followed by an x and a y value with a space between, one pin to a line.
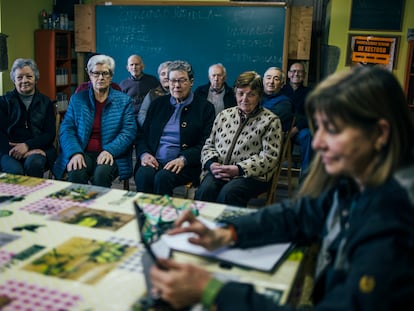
pixel 237 191
pixel 99 174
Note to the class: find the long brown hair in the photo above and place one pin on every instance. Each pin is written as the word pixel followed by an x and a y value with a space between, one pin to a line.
pixel 361 97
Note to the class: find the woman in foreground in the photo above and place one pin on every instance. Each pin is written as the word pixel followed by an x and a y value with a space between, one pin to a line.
pixel 356 201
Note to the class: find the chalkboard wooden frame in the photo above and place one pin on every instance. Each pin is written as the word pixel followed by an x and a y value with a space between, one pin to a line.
pixel 121 17
pixel 374 15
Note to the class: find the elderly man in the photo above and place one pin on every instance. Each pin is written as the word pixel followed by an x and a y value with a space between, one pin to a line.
pixel 138 84
pixel 296 90
pixel 217 91
pixel 273 99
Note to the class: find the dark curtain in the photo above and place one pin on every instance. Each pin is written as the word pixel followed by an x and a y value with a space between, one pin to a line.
pixel 3 52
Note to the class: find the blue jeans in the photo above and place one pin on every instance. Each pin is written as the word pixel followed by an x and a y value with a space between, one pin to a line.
pixel 33 165
pixel 304 139
pixel 99 174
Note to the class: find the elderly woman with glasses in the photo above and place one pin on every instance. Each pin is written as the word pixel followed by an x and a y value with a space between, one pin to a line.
pixel 97 131
pixel 170 141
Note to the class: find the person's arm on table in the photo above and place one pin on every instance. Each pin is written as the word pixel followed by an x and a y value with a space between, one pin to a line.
pixel 186 284
pixel 208 238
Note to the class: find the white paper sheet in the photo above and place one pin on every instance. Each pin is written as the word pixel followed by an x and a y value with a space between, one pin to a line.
pixel 262 258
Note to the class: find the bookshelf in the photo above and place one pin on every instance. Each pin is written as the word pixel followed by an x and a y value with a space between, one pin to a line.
pixel 56 59
pixel 409 75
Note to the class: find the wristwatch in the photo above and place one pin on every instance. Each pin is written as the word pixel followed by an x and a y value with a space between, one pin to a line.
pixel 184 159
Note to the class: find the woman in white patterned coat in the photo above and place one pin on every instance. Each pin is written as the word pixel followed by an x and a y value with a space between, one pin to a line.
pixel 243 149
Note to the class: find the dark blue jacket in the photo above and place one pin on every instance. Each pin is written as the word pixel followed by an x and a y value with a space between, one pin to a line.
pixel 280 105
pixel 118 129
pixel 137 88
pixel 298 98
pixel 196 121
pixel 369 265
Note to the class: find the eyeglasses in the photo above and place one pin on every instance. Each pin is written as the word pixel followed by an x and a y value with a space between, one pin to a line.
pixel 97 74
pixel 299 72
pixel 179 81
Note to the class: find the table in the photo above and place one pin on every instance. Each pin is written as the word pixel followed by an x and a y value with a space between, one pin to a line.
pixel 67 246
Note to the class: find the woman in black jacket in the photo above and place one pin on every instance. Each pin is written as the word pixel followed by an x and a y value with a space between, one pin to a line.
pixel 27 124
pixel 170 141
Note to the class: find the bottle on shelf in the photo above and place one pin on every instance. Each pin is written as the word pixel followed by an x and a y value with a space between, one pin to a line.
pixel 43 19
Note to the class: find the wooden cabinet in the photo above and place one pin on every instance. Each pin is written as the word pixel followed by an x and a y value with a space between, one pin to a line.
pixel 85 30
pixel 56 59
pixel 409 75
pixel 300 34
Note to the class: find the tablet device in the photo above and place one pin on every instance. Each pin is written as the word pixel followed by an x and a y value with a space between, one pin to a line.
pixel 150 233
pixel 150 236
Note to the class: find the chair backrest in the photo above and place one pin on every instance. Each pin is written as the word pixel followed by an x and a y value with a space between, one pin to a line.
pixel 285 156
pixel 58 119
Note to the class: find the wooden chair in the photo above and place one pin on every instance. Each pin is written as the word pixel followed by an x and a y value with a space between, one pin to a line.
pixel 126 184
pixel 286 156
pixel 184 191
pixel 58 119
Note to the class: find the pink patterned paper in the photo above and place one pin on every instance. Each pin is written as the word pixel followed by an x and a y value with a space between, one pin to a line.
pixel 5 257
pixel 31 297
pixel 49 206
pixel 19 190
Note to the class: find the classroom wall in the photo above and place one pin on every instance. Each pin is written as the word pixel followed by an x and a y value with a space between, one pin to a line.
pixel 138 1
pixel 20 25
pixel 19 19
pixel 339 30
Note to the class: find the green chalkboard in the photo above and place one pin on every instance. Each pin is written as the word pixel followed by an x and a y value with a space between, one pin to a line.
pixel 377 14
pixel 242 37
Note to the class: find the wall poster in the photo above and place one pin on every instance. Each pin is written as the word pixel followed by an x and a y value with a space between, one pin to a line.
pixel 373 50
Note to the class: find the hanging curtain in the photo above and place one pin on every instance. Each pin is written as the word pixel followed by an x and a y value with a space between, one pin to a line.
pixel 3 52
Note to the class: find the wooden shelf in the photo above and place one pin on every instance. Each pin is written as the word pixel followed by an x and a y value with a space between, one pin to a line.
pixel 409 76
pixel 53 54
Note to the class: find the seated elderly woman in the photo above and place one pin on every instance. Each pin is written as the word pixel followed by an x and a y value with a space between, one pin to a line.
pixel 175 129
pixel 27 124
pixel 98 130
pixel 243 149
